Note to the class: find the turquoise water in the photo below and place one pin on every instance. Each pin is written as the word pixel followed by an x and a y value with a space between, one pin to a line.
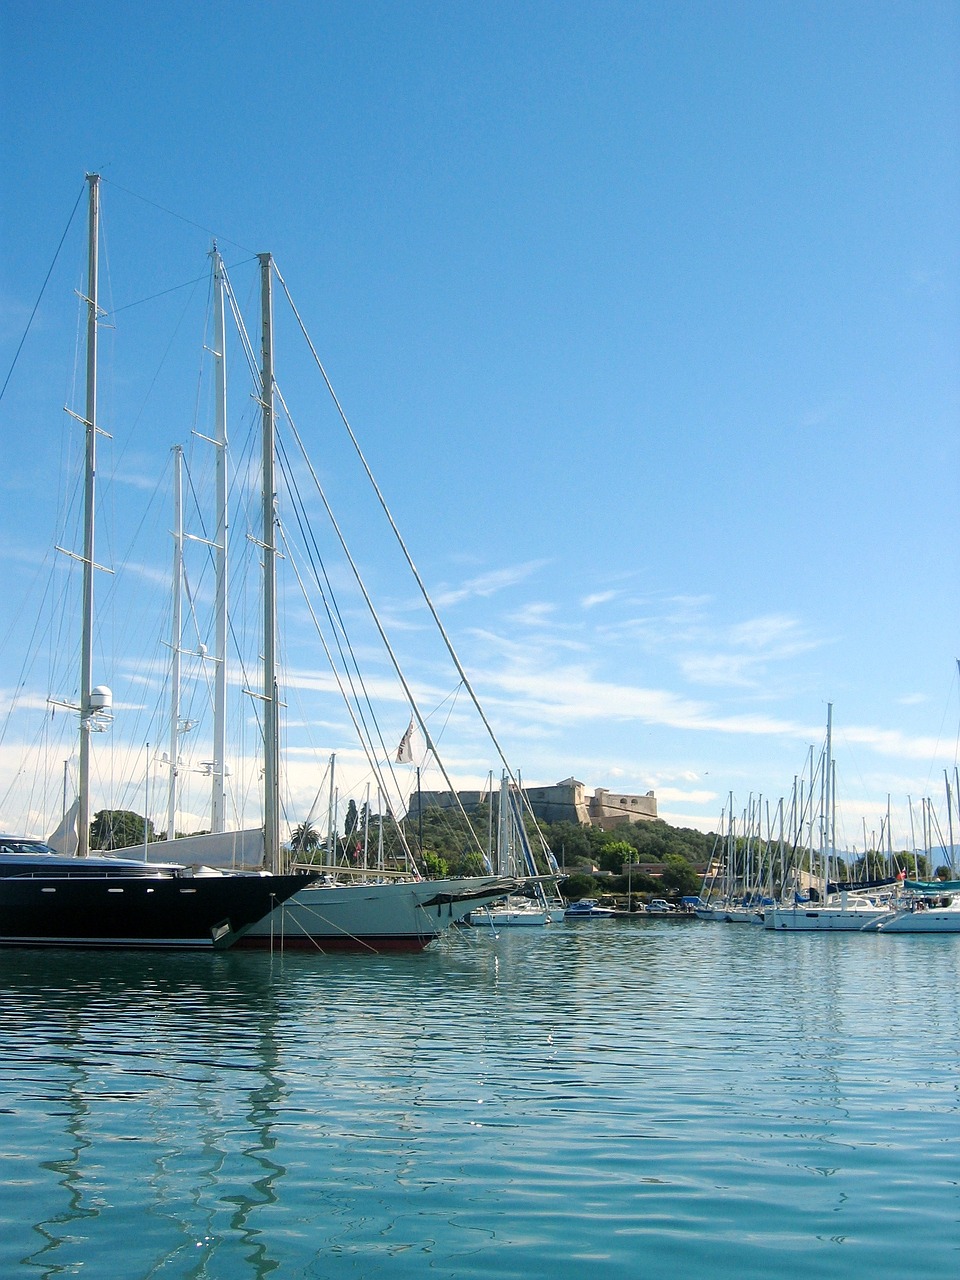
pixel 608 1098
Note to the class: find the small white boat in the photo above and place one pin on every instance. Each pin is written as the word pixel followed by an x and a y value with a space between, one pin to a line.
pixel 923 915
pixel 513 913
pixel 587 909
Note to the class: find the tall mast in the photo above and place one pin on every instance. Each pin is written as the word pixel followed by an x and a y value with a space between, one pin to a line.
pixel 271 719
pixel 946 783
pixel 176 637
pixel 331 815
pixel 503 838
pixel 218 800
pixel 90 421
pixel 827 802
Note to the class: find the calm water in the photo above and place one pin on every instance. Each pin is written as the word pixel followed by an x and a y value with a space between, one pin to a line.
pixel 610 1098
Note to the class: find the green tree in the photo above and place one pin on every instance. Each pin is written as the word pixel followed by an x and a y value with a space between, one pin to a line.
pixel 578 886
pixel 305 839
pixel 437 868
pixel 613 855
pixel 569 842
pixel 351 821
pixel 118 829
pixel 678 875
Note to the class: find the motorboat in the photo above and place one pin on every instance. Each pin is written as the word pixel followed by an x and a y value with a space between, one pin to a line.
pixel 48 900
pixel 587 909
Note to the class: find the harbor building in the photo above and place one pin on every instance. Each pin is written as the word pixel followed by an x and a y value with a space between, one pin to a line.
pixel 565 801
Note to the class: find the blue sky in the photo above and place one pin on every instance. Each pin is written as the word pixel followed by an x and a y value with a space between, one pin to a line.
pixel 645 314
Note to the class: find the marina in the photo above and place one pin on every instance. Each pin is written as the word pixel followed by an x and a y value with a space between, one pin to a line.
pixel 625 1096
pixel 454 456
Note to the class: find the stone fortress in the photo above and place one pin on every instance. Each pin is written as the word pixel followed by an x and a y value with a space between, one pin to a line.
pixel 565 801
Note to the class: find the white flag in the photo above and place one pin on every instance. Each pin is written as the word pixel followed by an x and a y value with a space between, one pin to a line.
pixel 405 749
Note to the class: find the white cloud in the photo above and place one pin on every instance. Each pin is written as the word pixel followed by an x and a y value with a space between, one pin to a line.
pixel 598 597
pixel 487 584
pixel 534 614
pixel 668 795
pixel 718 669
pixel 768 632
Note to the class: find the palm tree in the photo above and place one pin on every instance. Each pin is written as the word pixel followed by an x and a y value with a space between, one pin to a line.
pixel 305 839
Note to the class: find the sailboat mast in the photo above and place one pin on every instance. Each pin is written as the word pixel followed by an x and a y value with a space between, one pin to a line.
pixel 218 798
pixel 176 636
pixel 331 815
pixel 90 469
pixel 271 719
pixel 503 841
pixel 827 802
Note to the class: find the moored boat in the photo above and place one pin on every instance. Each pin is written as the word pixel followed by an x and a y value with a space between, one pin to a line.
pixel 47 900
pixel 511 913
pixel 849 912
pixel 931 907
pixel 373 915
pixel 587 909
pixel 399 915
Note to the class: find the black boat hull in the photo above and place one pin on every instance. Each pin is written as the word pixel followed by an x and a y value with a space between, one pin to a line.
pixel 143 911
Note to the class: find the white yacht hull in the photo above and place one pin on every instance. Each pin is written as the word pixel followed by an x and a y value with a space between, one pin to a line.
pixel 400 915
pixel 825 919
pixel 729 915
pixel 924 920
pixel 510 917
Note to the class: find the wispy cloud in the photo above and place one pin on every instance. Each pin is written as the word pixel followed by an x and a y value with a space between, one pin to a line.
pixel 669 795
pixel 769 632
pixel 534 614
pixel 740 655
pixel 487 584
pixel 892 742
pixel 568 695
pixel 598 597
pixel 144 483
pixel 718 669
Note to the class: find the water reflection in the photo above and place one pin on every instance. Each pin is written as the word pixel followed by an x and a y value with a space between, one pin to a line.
pixel 141 1073
pixel 68 1169
pixel 492 1108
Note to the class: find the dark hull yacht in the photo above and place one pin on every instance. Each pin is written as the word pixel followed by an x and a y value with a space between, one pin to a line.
pixel 47 900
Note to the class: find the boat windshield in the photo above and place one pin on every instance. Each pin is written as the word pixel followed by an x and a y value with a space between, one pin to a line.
pixel 23 844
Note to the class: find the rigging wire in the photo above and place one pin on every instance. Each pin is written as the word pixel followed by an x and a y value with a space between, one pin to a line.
pixel 379 625
pixel 409 559
pixel 362 733
pixel 36 305
pixel 173 214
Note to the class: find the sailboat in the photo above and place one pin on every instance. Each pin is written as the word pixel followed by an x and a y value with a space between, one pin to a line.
pixel 49 898
pixel 843 908
pixel 376 914
pixel 728 892
pixel 514 858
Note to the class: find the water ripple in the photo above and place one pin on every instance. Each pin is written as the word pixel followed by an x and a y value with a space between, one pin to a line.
pixel 635 1099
